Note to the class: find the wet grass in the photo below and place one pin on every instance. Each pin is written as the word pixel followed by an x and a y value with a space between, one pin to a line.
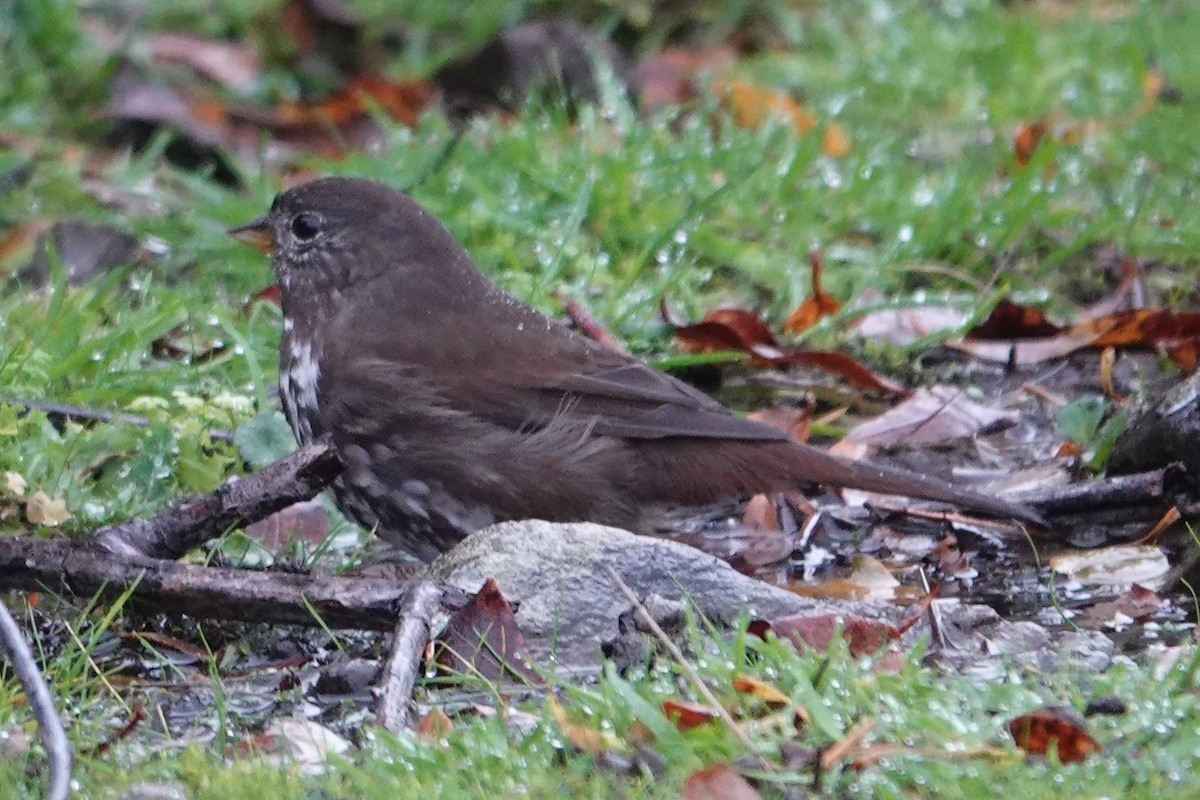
pixel 617 212
pixel 948 732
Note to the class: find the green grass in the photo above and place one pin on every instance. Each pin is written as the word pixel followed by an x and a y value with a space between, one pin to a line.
pixel 952 731
pixel 617 211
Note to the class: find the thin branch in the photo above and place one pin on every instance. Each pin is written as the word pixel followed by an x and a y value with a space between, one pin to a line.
pixel 64 566
pixel 50 728
pixel 301 475
pixel 399 673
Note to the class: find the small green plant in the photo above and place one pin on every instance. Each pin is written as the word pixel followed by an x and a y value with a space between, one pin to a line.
pixel 1094 424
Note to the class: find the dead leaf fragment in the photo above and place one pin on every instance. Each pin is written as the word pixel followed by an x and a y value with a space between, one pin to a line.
pixel 932 416
pixel 818 304
pixel 718 782
pixel 686 715
pixel 863 636
pixel 743 331
pixel 901 326
pixel 752 105
pixel 41 509
pixel 760 515
pixel 14 483
pixel 434 726
pixel 760 689
pixel 1117 565
pixel 594 741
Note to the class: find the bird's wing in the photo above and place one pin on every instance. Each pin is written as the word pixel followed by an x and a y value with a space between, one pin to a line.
pixel 612 393
pixel 504 362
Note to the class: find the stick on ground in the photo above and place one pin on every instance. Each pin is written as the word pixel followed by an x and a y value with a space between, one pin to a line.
pixel 399 673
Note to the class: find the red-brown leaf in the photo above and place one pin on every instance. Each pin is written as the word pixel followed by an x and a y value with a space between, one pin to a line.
pixel 1055 727
pixel 482 638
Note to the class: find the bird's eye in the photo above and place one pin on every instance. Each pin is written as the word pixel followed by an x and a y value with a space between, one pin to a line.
pixel 306 226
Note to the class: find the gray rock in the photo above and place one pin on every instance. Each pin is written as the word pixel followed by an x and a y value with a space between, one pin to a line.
pixel 572 614
pixel 569 609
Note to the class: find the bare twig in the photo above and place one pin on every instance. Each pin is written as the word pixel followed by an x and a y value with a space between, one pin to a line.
pixel 60 565
pixel 404 661
pixel 1153 488
pixel 298 476
pixel 690 671
pixel 50 728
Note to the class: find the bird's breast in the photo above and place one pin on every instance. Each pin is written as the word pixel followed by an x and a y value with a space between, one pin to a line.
pixel 299 375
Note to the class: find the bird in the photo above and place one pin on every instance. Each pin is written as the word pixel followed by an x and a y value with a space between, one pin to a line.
pixel 454 405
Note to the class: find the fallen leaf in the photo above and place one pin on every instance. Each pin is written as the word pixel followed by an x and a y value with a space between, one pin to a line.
pixel 863 636
pixel 726 329
pixel 1026 140
pixel 761 690
pixel 1138 604
pixel 583 321
pixel 667 77
pixel 1173 331
pixel 232 64
pixel 482 638
pixel 15 484
pixel 752 105
pixel 903 326
pixel 1117 565
pixel 402 100
pixel 300 742
pixel 870 581
pixel 41 509
pixel 932 416
pixel 685 715
pixel 759 514
pixel 159 639
pixel 795 421
pixel 845 367
pixel 818 304
pixel 434 726
pixel 744 331
pixel 1054 727
pixel 1009 320
pixel 718 782
pixel 834 142
pixel 306 522
pixel 590 740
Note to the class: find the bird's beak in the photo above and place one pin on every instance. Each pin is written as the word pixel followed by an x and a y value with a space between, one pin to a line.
pixel 258 234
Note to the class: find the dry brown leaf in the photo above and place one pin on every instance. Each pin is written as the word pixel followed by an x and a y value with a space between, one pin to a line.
pixel 1054 727
pixel 483 638
pixel 932 416
pixel 818 304
pixel 760 689
pixel 864 636
pixel 718 782
pixel 686 715
pixel 590 740
pixel 434 726
pixel 752 105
